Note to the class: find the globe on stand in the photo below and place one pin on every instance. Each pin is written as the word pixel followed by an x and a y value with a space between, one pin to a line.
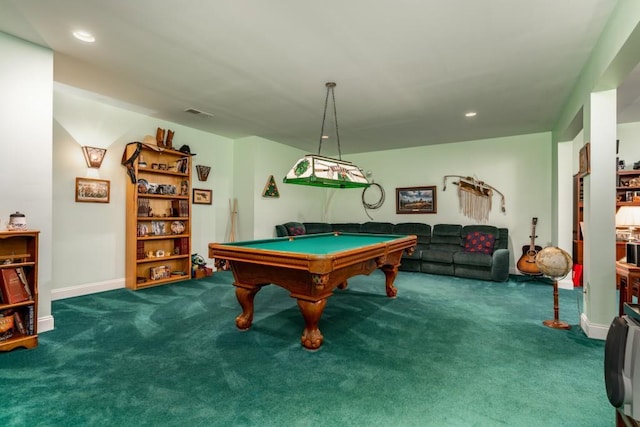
pixel 555 264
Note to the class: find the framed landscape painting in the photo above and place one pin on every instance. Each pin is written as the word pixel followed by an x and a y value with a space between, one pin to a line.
pixel 416 200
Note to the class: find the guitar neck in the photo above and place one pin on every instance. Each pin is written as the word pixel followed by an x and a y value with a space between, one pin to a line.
pixel 532 245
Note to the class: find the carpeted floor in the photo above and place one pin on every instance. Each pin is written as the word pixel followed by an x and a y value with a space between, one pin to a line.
pixel 445 352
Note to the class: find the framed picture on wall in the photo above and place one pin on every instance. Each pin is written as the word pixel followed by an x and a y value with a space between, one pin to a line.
pixel 92 190
pixel 585 158
pixel 202 197
pixel 416 200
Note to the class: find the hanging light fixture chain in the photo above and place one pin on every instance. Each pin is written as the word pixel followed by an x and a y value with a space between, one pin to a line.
pixel 335 120
pixel 324 116
pixel 330 86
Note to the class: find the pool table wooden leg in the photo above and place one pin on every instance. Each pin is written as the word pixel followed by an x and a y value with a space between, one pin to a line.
pixel 390 273
pixel 245 297
pixel 312 311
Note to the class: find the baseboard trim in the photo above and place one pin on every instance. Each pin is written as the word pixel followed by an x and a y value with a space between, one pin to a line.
pixel 565 283
pixel 593 330
pixel 45 324
pixel 86 289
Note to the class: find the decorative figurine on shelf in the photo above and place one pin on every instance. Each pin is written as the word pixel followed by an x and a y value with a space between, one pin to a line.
pixel 141 162
pixel 17 222
pixel 636 165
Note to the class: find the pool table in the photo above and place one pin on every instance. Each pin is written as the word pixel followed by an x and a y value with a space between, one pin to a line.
pixel 310 267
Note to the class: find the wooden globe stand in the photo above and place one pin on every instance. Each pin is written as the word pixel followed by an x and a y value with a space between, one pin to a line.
pixel 555 264
pixel 556 323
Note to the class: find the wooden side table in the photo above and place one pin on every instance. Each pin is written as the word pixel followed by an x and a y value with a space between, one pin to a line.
pixel 627 280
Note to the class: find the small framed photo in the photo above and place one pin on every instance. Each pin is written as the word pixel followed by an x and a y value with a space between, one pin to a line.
pixel 416 200
pixel 585 159
pixel 202 197
pixel 92 190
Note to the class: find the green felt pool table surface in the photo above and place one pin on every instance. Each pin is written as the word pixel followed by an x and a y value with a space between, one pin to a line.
pixel 317 244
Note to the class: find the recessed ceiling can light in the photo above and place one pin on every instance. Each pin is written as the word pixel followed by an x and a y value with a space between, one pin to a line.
pixel 470 114
pixel 84 36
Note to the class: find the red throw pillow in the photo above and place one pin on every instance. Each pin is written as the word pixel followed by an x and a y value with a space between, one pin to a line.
pixel 479 242
pixel 295 230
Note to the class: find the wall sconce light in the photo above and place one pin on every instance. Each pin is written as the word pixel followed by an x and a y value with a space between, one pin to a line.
pixel 94 156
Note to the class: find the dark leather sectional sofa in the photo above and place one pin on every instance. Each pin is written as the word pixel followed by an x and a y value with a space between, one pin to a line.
pixel 471 251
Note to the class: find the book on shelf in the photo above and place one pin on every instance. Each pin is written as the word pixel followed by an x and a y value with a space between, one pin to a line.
pixel 140 254
pixel 181 246
pixel 19 324
pixel 29 323
pixel 180 208
pixel 24 281
pixel 13 291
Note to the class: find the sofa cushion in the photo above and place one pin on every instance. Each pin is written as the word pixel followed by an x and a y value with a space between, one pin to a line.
pixel 420 230
pixel 281 231
pixel 348 227
pixel 295 228
pixel 477 259
pixel 479 242
pixel 377 228
pixel 444 255
pixel 317 227
pixel 449 234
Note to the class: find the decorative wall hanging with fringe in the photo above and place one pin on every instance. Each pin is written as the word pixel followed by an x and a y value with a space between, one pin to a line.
pixel 475 197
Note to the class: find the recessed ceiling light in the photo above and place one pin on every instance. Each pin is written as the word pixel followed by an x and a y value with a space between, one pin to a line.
pixel 470 114
pixel 84 36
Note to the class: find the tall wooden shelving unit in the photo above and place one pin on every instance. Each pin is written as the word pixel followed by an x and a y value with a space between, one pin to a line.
pixel 158 224
pixel 19 250
pixel 627 194
pixel 578 217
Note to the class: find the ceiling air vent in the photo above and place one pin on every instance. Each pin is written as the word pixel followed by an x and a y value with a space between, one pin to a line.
pixel 197 112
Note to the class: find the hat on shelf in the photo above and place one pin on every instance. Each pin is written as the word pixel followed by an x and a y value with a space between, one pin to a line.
pixel 185 149
pixel 149 140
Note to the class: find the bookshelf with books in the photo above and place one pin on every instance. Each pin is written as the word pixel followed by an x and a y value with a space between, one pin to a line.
pixel 158 224
pixel 18 289
pixel 627 194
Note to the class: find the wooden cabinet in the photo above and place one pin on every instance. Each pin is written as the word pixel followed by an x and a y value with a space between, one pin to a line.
pixel 19 266
pixel 628 188
pixel 578 217
pixel 158 224
pixel 627 194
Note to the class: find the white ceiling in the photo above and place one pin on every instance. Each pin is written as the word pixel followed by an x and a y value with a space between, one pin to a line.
pixel 406 70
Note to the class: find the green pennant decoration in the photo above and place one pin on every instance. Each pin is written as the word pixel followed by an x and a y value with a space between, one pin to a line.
pixel 271 189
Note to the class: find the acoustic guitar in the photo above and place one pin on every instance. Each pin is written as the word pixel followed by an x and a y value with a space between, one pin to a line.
pixel 527 262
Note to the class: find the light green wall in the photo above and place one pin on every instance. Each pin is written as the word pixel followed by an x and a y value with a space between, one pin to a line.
pixel 89 245
pixel 25 151
pixel 255 160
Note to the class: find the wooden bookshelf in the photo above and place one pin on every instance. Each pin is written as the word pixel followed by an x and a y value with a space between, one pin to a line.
pixel 158 224
pixel 19 321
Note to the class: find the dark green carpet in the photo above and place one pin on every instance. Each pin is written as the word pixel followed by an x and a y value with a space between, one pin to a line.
pixel 445 352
